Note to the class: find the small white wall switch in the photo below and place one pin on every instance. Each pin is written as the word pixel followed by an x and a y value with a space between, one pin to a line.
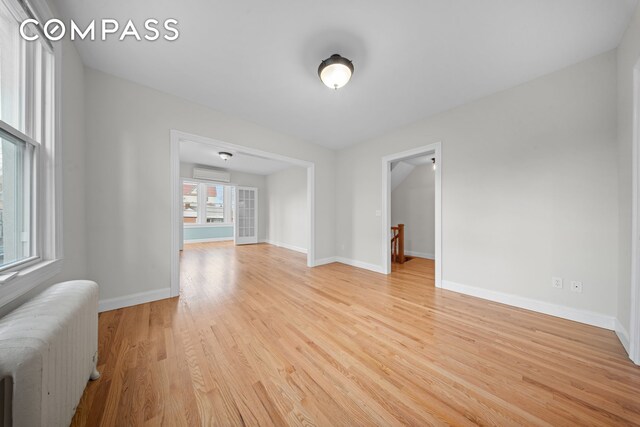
pixel 378 213
pixel 556 282
pixel 576 286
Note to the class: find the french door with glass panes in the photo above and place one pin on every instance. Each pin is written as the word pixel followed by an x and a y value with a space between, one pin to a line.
pixel 246 220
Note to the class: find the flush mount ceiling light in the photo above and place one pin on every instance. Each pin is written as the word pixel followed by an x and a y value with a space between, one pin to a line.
pixel 335 71
pixel 225 155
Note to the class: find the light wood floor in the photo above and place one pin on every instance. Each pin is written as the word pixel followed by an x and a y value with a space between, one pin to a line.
pixel 257 338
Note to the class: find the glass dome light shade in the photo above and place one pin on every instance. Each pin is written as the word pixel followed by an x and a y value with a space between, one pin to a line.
pixel 335 71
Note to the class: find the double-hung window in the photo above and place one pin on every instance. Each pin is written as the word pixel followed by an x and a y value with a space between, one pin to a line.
pixel 27 131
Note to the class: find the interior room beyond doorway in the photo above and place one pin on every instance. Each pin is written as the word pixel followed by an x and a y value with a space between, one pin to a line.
pixel 231 194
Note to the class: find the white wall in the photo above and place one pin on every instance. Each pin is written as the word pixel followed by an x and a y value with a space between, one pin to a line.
pixel 73 165
pixel 628 55
pixel 413 204
pixel 287 209
pixel 242 179
pixel 128 189
pixel 529 188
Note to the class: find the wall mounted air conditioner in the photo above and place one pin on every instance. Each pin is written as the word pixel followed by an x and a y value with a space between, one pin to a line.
pixel 211 175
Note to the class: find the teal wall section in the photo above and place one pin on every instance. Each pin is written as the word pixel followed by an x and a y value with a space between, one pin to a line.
pixel 197 233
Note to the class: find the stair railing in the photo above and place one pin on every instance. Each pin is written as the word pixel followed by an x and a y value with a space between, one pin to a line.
pixel 397 244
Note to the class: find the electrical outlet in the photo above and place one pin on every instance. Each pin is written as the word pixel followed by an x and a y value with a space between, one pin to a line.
pixel 576 286
pixel 556 282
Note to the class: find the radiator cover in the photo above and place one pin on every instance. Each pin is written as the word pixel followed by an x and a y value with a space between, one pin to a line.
pixel 48 348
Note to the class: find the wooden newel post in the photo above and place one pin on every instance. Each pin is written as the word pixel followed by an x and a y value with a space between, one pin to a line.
pixel 401 243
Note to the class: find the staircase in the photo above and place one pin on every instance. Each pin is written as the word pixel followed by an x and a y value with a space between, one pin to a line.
pixel 397 244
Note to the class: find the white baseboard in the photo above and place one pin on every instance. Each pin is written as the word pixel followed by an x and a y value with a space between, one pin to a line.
pixel 286 246
pixel 133 299
pixel 324 261
pixel 355 263
pixel 577 315
pixel 420 254
pixel 623 335
pixel 211 239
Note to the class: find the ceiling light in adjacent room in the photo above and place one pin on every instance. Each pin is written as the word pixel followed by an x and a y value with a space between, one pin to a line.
pixel 225 155
pixel 335 71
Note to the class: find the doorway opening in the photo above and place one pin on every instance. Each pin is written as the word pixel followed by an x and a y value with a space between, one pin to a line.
pixel 420 231
pixel 223 200
pixel 413 213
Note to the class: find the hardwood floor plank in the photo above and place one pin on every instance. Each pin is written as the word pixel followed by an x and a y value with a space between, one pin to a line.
pixel 258 339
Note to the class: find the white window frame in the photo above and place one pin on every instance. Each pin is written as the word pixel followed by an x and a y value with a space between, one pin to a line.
pixel 47 206
pixel 202 204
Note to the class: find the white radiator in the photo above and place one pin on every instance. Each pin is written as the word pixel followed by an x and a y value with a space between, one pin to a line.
pixel 48 351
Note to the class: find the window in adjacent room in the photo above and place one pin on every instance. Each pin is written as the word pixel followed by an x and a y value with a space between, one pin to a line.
pixel 215 204
pixel 205 203
pixel 190 202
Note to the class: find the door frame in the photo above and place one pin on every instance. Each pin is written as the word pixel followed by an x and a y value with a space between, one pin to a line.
pixel 176 221
pixel 436 150
pixel 634 327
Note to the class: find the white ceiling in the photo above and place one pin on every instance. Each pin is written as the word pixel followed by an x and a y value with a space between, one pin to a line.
pixel 258 59
pixel 207 155
pixel 420 160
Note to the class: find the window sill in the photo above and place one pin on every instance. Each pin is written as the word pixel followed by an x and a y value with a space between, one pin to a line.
pixel 209 225
pixel 27 279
